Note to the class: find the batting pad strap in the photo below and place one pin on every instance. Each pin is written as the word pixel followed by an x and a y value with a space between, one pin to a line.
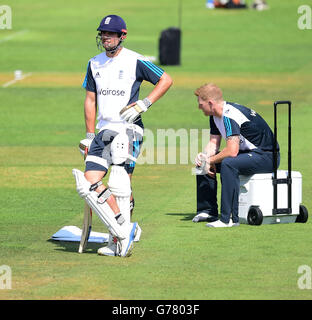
pixel 94 186
pixel 104 195
pixel 119 218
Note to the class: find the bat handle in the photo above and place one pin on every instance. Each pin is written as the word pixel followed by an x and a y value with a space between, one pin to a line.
pixel 85 153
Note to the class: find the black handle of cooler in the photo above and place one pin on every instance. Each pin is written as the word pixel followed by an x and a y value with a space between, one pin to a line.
pixel 288 180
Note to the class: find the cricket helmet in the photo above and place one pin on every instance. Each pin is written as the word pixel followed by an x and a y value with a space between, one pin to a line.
pixel 113 23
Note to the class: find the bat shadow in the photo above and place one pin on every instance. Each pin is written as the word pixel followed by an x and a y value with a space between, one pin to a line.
pixel 73 246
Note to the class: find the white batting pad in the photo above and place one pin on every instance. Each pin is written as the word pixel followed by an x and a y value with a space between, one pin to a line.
pixel 73 233
pixel 120 186
pixel 103 210
pixel 119 182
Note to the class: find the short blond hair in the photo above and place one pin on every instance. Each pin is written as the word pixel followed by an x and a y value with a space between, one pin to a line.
pixel 209 91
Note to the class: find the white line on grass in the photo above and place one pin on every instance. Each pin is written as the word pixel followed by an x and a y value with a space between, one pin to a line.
pixel 12 36
pixel 7 84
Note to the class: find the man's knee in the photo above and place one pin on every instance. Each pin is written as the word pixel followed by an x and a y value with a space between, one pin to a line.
pixel 95 179
pixel 227 163
pixel 94 176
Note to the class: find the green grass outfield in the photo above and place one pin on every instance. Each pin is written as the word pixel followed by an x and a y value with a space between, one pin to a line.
pixel 256 57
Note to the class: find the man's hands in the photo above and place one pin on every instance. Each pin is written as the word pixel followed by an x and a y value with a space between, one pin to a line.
pixel 202 163
pixel 200 158
pixel 131 112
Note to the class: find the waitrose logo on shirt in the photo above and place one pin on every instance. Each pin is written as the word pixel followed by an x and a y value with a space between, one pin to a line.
pixel 111 92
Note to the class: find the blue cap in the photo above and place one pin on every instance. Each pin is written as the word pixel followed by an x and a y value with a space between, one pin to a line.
pixel 113 23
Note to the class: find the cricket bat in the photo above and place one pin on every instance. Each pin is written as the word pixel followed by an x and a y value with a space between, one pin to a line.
pixel 87 225
pixel 87 222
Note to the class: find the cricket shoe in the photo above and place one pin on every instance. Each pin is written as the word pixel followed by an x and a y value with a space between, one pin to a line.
pixel 125 246
pixel 110 249
pixel 118 247
pixel 233 224
pixel 220 224
pixel 204 216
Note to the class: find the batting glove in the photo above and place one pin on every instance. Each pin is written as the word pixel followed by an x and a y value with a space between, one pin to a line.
pixel 131 112
pixel 84 144
pixel 200 158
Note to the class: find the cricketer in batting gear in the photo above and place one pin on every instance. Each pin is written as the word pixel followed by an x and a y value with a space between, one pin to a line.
pixel 122 231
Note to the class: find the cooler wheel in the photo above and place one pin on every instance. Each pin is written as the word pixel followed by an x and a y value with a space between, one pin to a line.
pixel 303 214
pixel 255 216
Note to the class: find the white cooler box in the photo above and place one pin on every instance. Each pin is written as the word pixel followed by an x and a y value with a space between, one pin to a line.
pixel 256 197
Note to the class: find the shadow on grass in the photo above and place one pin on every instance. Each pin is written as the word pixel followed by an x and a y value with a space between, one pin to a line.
pixel 184 216
pixel 72 246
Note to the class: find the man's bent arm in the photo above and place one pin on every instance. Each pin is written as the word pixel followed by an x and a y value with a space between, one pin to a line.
pixel 231 150
pixel 213 145
pixel 161 88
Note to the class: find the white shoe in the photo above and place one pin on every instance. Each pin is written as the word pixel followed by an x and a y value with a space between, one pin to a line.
pixel 125 246
pixel 218 224
pixel 122 248
pixel 108 250
pixel 233 224
pixel 203 216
